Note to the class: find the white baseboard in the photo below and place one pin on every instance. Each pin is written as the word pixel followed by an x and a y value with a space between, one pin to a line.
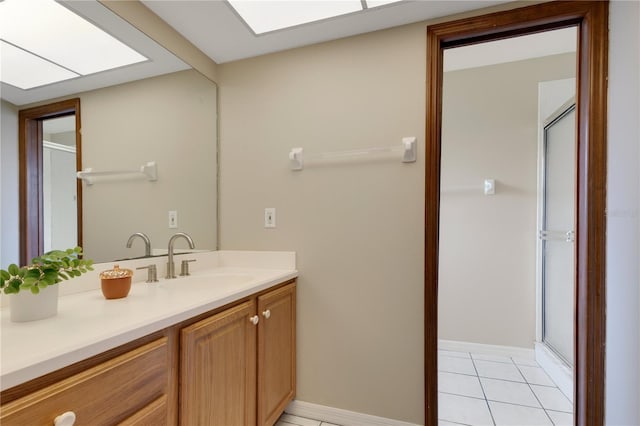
pixel 339 416
pixel 560 373
pixel 480 348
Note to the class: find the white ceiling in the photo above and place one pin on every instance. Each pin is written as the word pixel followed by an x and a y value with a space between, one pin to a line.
pixel 215 28
pixel 161 61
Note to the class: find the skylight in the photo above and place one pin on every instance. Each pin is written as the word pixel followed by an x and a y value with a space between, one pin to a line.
pixel 263 16
pixel 44 42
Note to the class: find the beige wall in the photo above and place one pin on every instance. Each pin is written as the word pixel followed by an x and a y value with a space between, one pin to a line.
pixel 169 119
pixel 488 243
pixel 623 216
pixel 357 226
pixel 9 222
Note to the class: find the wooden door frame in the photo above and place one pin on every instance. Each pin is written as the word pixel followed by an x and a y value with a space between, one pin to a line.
pixel 591 17
pixel 30 174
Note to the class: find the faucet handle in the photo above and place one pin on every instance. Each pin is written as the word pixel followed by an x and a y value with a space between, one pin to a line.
pixel 152 273
pixel 184 267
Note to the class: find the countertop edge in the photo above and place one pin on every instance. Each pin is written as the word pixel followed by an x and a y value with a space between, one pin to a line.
pixel 37 369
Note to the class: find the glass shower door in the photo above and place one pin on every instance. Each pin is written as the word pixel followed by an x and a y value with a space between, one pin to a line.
pixel 558 233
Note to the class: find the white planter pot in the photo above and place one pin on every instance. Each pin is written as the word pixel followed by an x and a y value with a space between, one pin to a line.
pixel 26 306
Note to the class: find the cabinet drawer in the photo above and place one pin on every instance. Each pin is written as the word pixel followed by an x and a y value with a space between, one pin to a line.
pixel 109 393
pixel 153 414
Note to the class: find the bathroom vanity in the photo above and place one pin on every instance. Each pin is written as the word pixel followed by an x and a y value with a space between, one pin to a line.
pixel 215 348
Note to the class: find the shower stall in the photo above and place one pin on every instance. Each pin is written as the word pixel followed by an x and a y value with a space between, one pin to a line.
pixel 556 238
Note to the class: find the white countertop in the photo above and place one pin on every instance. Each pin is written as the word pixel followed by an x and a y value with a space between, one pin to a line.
pixel 88 324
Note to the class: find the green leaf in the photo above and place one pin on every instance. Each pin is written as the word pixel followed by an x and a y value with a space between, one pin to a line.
pixel 30 281
pixel 32 273
pixel 15 283
pixel 13 269
pixel 10 290
pixel 50 276
pixel 47 269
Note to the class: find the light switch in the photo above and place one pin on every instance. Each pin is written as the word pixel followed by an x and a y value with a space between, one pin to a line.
pixel 270 217
pixel 489 186
pixel 173 219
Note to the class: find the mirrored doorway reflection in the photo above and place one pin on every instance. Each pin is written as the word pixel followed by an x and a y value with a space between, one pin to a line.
pixel 60 199
pixel 489 293
pixel 59 183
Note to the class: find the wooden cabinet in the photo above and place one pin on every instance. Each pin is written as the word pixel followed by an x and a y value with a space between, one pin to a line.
pixel 238 366
pixel 234 367
pixel 276 353
pixel 218 369
pixel 131 389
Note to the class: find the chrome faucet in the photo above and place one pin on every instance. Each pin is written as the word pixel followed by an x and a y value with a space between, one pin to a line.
pixel 147 242
pixel 171 267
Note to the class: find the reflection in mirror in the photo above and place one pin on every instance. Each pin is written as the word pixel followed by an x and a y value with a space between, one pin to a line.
pixel 169 119
pixel 493 346
pixel 152 111
pixel 59 183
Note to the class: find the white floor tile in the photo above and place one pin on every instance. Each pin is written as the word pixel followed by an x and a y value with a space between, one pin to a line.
pixel 498 370
pixel 446 423
pixel 495 358
pixel 510 415
pixel 299 421
pixel 526 361
pixel 281 423
pixel 456 365
pixel 552 398
pixel 459 384
pixel 561 419
pixel 536 376
pixel 456 354
pixel 328 424
pixel 461 409
pixel 512 392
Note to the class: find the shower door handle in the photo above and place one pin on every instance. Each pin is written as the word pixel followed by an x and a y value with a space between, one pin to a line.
pixel 566 236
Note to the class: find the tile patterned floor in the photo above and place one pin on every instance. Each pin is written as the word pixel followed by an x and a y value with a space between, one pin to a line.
pixel 475 389
pixel 289 420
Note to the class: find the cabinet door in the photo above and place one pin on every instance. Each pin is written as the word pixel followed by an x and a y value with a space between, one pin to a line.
pixel 102 395
pixel 276 353
pixel 218 369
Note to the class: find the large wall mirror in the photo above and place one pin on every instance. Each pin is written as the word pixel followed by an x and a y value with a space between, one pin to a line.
pixel 125 119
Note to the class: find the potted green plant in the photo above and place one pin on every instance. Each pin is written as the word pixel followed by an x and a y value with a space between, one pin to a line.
pixel 40 277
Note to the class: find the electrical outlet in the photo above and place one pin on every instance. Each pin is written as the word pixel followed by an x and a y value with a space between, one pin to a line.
pixel 173 219
pixel 270 217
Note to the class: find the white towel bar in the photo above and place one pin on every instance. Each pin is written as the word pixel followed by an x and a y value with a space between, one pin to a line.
pixel 408 149
pixel 148 171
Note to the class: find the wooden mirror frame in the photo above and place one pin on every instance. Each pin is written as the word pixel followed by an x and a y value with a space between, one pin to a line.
pixel 30 174
pixel 591 18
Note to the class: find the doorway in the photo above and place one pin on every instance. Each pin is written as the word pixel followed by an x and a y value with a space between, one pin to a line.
pixel 591 20
pixel 40 202
pixel 59 183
